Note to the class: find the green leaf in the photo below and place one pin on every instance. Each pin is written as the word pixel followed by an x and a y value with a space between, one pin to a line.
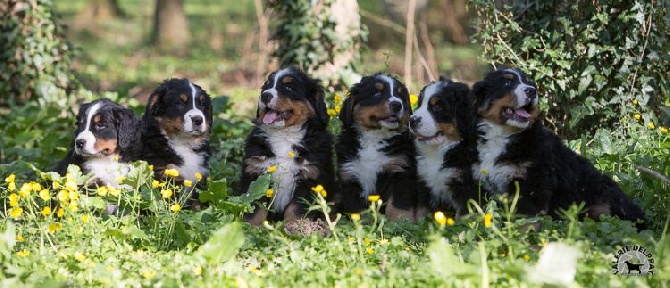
pixel 223 245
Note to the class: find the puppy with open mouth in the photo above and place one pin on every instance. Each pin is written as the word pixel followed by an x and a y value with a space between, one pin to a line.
pixel 375 151
pixel 291 140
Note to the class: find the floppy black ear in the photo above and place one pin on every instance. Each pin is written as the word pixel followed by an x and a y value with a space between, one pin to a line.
pixel 319 101
pixel 127 126
pixel 347 112
pixel 153 107
pixel 461 110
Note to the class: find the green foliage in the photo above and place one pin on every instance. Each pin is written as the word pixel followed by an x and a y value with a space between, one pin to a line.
pixel 35 58
pixel 307 36
pixel 593 61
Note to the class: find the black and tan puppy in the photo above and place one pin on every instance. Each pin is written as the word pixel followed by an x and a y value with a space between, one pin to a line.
pixel 291 136
pixel 107 138
pixel 175 130
pixel 514 146
pixel 445 140
pixel 375 150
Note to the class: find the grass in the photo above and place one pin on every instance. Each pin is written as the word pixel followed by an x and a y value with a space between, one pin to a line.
pixel 156 244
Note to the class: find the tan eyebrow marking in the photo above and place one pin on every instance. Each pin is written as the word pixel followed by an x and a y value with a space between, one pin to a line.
pixel 433 100
pixel 183 98
pixel 287 79
pixel 508 76
pixel 379 86
pixel 96 118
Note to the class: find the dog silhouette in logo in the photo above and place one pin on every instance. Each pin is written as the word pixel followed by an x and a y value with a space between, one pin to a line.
pixel 633 267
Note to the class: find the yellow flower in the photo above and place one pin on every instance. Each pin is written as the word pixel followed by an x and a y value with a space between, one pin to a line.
pixel 15 212
pixel 62 195
pixel 73 195
pixel 35 186
pixel 148 274
pixel 53 227
pixel 319 190
pixel 45 194
pixel 450 221
pixel 188 183
pixel 338 108
pixel 73 206
pixel 269 193
pixel 440 218
pixel 10 178
pixel 651 125
pixel 60 212
pixel 79 256
pixel 151 167
pixel 197 270
pixel 102 191
pixel 637 116
pixel 366 240
pixel 116 158
pixel 25 190
pixel 23 253
pixel 291 154
pixel 272 168
pixel 488 219
pixel 11 186
pixel 19 238
pixel 166 193
pixel 664 130
pixel 171 173
pixel 229 134
pixel 252 268
pixel 337 98
pixel 13 200
pixel 634 101
pixel 373 197
pixel 484 172
pixel 55 185
pixel 70 183
pixel 526 257
pixel 331 112
pixel 155 184
pixel 383 241
pixel 85 218
pixel 114 191
pixel 120 179
pixel 355 217
pixel 46 211
pixel 175 208
pixel 198 176
pixel 370 250
pixel 413 99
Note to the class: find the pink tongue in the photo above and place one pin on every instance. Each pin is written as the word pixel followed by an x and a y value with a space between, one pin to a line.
pixel 270 117
pixel 522 113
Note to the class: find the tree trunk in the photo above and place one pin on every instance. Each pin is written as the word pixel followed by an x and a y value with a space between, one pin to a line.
pixel 170 26
pixel 348 27
pixel 101 10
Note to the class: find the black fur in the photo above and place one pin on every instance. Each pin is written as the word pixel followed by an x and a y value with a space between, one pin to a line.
pixel 556 177
pixel 312 152
pixel 398 183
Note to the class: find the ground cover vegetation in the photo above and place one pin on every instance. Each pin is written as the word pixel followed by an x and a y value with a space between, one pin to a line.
pixel 602 67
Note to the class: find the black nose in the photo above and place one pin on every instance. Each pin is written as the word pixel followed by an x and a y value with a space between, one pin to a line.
pixel 266 97
pixel 80 143
pixel 396 106
pixel 531 92
pixel 197 120
pixel 414 121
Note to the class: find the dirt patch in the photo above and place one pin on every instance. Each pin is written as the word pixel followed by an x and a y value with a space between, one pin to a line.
pixel 305 227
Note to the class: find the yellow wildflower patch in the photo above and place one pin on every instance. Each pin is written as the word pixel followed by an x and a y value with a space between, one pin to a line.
pixel 171 173
pixel 25 190
pixel 13 200
pixel 10 178
pixel 60 212
pixel 651 125
pixel 45 194
pixel 413 99
pixel 373 197
pixel 85 218
pixel 440 218
pixel 15 212
pixel 102 191
pixel 291 154
pixel 53 227
pixel 23 253
pixel 272 169
pixel 175 208
pixel 188 183
pixel 166 193
pixel 198 176
pixel 46 211
pixel 148 274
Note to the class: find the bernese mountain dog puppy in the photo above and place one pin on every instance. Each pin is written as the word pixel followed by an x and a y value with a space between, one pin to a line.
pixel 176 126
pixel 107 138
pixel 445 140
pixel 290 134
pixel 375 150
pixel 514 146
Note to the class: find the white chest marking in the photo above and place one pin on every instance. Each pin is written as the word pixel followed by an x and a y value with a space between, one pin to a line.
pixel 284 178
pixel 494 176
pixel 106 169
pixel 370 160
pixel 430 160
pixel 193 162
